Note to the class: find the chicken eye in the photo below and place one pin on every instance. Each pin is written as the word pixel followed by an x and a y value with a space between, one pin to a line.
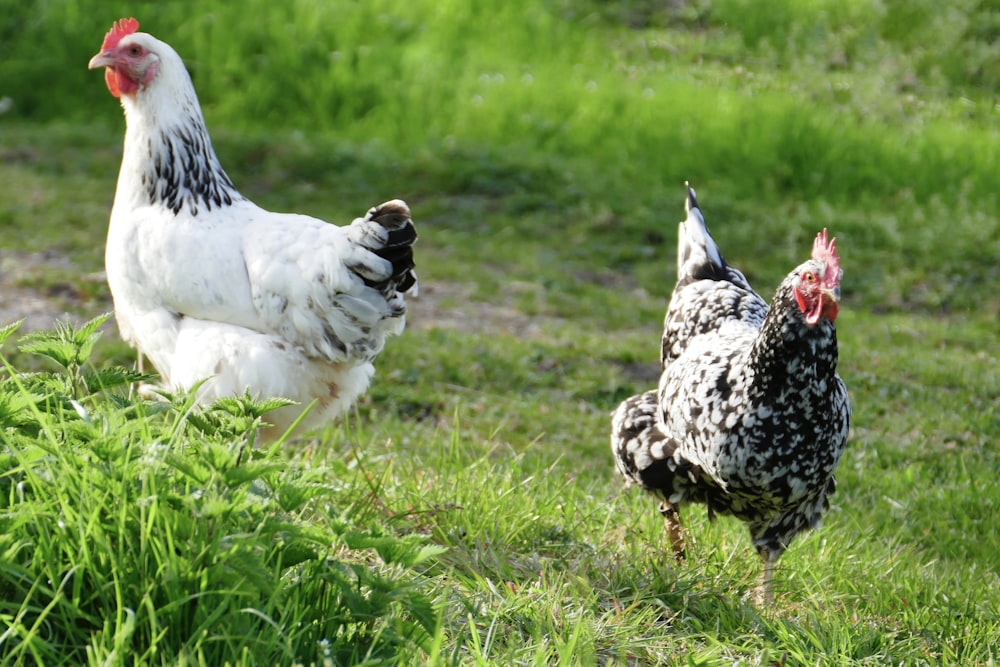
pixel 135 50
pixel 809 277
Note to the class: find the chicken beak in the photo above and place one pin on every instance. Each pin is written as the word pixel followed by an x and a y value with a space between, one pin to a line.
pixel 102 59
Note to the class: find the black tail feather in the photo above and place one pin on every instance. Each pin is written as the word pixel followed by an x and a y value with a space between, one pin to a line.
pixel 398 247
pixel 401 236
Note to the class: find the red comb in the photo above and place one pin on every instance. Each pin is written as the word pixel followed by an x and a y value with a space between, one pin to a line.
pixel 825 250
pixel 119 30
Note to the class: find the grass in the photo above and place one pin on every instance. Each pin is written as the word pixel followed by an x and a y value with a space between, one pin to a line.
pixel 468 512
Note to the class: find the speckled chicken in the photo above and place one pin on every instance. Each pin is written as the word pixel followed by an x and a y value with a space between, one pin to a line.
pixel 211 287
pixel 750 417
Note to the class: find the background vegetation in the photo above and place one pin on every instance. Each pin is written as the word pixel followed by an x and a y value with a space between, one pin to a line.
pixel 468 512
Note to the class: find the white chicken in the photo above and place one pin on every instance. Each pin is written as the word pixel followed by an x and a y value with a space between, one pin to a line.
pixel 211 287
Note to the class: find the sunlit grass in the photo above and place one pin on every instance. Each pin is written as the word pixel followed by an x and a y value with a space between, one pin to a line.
pixel 542 146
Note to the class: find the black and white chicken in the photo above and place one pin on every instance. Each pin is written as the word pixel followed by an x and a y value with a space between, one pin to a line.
pixel 209 286
pixel 750 417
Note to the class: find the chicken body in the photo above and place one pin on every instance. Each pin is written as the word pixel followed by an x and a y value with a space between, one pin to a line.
pixel 210 286
pixel 750 416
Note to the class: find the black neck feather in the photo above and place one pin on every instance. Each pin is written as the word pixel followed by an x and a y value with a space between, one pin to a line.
pixel 788 352
pixel 184 172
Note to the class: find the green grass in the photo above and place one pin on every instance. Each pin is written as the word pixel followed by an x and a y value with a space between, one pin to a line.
pixel 468 511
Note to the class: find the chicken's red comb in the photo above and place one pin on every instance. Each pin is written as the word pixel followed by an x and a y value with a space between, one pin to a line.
pixel 118 30
pixel 825 250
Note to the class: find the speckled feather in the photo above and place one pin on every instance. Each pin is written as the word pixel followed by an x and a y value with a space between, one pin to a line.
pixel 750 416
pixel 210 286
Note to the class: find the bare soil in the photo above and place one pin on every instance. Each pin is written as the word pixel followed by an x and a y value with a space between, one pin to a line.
pixel 28 292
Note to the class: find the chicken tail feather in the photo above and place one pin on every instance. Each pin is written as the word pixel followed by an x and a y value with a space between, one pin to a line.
pixel 395 244
pixel 698 256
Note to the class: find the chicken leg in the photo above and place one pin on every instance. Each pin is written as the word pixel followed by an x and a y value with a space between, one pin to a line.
pixel 764 593
pixel 675 530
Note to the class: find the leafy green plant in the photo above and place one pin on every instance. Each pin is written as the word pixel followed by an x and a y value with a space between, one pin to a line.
pixel 131 527
pixel 70 347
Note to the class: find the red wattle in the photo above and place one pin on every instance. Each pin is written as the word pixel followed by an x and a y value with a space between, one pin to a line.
pixel 799 299
pixel 830 309
pixel 815 313
pixel 111 78
pixel 814 310
pixel 118 83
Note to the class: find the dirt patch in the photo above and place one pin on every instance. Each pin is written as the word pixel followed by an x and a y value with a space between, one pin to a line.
pixel 37 312
pixel 44 287
pixel 450 306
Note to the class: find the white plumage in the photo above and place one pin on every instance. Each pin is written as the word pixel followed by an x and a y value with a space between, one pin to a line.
pixel 210 286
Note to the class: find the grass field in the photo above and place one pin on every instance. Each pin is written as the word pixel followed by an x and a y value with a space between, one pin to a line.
pixel 468 512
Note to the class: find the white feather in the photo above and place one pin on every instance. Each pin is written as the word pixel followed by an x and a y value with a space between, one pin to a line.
pixel 214 288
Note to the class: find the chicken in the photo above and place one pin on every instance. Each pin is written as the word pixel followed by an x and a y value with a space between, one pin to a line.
pixel 750 417
pixel 210 287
